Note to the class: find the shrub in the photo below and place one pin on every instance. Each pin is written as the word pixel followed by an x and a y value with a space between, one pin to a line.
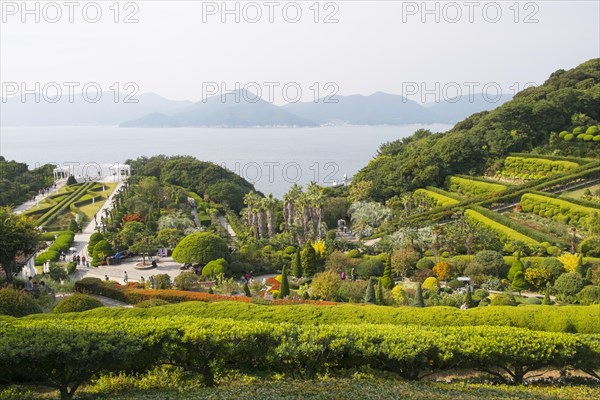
pixel 492 262
pixel 57 272
pixel 76 303
pixel 425 263
pixel 567 286
pixel 430 283
pixel 162 281
pixel 186 280
pixel 351 291
pixel 455 284
pixel 554 267
pixel 589 295
pixel 200 248
pixel 94 239
pixel 590 247
pixel 17 304
pixel 569 137
pixel 370 267
pixel 506 234
pixel 515 167
pixel 102 249
pixel 571 212
pixel 532 300
pixel 325 285
pixel 99 287
pixel 474 187
pixel 151 303
pixel 443 270
pixel 71 267
pixel 354 253
pixel 215 267
pixel 437 199
pixel 504 299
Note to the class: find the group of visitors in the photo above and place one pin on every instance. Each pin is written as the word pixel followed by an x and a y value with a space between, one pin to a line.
pixel 37 288
pixel 248 277
pixel 44 191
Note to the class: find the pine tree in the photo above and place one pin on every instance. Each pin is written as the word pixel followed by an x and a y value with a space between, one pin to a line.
pixel 518 282
pixel 370 293
pixel 308 258
pixel 469 298
pixel 387 280
pixel 547 300
pixel 580 269
pixel 211 291
pixel 379 299
pixel 297 265
pixel 284 289
pixel 419 302
pixel 588 275
pixel 247 290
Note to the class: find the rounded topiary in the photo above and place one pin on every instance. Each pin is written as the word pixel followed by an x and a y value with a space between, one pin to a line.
pixel 94 239
pixel 553 250
pixel 589 295
pixel 592 130
pixel 577 130
pixel 370 267
pixel 569 137
pixel 425 263
pixel 289 250
pixel 588 138
pixel 152 303
pixel 596 138
pixel 17 304
pixel 77 303
pixel 563 134
pixel 215 267
pixel 430 283
pixel 581 136
pixel 200 248
pixel 354 253
pixel 567 286
pixel 455 284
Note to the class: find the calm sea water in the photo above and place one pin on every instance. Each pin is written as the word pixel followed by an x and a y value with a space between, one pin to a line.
pixel 273 159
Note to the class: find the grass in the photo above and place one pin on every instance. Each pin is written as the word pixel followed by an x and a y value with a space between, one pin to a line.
pixel 576 194
pixel 90 209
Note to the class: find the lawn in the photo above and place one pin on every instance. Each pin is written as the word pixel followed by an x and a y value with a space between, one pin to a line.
pixel 90 209
pixel 576 194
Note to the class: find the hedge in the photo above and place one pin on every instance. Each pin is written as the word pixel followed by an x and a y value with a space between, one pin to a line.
pixel 510 223
pixel 62 243
pixel 576 160
pixel 474 187
pixel 437 199
pixel 76 303
pixel 558 209
pixel 65 353
pixel 61 206
pixel 534 168
pixel 506 234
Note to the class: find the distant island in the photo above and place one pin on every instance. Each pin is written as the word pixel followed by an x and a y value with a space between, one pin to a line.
pixel 236 111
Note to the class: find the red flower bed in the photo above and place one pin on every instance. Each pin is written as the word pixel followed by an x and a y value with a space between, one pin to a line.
pixel 274 283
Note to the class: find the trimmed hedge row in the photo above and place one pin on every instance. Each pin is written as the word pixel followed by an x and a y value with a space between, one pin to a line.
pixel 474 187
pixel 569 319
pixel 439 200
pixel 560 210
pixel 534 168
pixel 506 234
pixel 56 210
pixel 452 195
pixel 66 353
pixel 62 243
pixel 532 233
pixel 577 160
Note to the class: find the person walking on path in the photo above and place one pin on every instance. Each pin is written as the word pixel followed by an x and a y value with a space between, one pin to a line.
pixel 125 278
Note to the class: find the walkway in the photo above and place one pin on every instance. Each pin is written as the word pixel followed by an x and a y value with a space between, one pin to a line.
pixel 81 239
pixel 38 199
pixel 225 224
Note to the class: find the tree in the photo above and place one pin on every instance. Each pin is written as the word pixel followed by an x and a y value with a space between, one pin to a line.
pixel 469 298
pixel 186 280
pixel 284 289
pixel 379 297
pixel 168 237
pixel 71 180
pixel 517 266
pixel 387 281
pixel 547 301
pixel 297 265
pixel 144 244
pixel 567 286
pixel 442 270
pixel 419 302
pixel 308 258
pixel 518 282
pixel 492 261
pixel 569 261
pixel 404 261
pixel 537 277
pixel 580 268
pixel 370 293
pixel 325 285
pixel 200 248
pixel 19 236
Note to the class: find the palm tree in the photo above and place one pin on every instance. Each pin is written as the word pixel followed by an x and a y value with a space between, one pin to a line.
pixel 269 203
pixel 314 194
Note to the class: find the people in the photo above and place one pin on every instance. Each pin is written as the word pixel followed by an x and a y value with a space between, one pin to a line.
pixel 125 277
pixel 106 277
pixel 152 281
pixel 29 284
pixel 464 306
pixel 142 280
pixel 154 265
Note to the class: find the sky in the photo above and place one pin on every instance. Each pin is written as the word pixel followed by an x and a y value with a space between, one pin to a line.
pixel 289 51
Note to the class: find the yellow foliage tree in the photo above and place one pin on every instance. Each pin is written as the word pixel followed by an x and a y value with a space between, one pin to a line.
pixel 430 283
pixel 319 247
pixel 442 270
pixel 399 295
pixel 569 261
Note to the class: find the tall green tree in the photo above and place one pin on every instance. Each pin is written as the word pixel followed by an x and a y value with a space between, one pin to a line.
pixel 18 235
pixel 580 269
pixel 308 257
pixel 284 289
pixel 419 302
pixel 297 265
pixel 379 297
pixel 547 300
pixel 387 281
pixel 518 282
pixel 370 293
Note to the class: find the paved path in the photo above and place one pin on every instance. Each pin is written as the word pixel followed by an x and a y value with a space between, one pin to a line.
pixel 81 239
pixel 225 224
pixel 116 273
pixel 38 199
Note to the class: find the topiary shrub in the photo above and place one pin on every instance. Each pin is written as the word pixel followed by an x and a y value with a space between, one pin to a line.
pixel 425 263
pixel 162 281
pixel 592 130
pixel 455 284
pixel 492 262
pixel 370 267
pixel 532 300
pixel 151 303
pixel 200 248
pixel 77 303
pixel 186 280
pixel 354 253
pixel 569 137
pixel 504 299
pixel 17 304
pixel 215 267
pixel 590 247
pixel 567 286
pixel 102 249
pixel 430 283
pixel 94 239
pixel 589 295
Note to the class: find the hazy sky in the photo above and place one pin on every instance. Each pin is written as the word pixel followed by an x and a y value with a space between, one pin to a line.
pixel 390 46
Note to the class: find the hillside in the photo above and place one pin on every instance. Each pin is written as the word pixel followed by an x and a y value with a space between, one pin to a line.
pixel 567 100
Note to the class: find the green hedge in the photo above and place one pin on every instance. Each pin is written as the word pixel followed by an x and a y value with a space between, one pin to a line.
pixel 474 187
pixel 76 303
pixel 438 200
pixel 62 243
pixel 100 287
pixel 576 160
pixel 506 234
pixel 48 217
pixel 560 210
pixel 534 168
